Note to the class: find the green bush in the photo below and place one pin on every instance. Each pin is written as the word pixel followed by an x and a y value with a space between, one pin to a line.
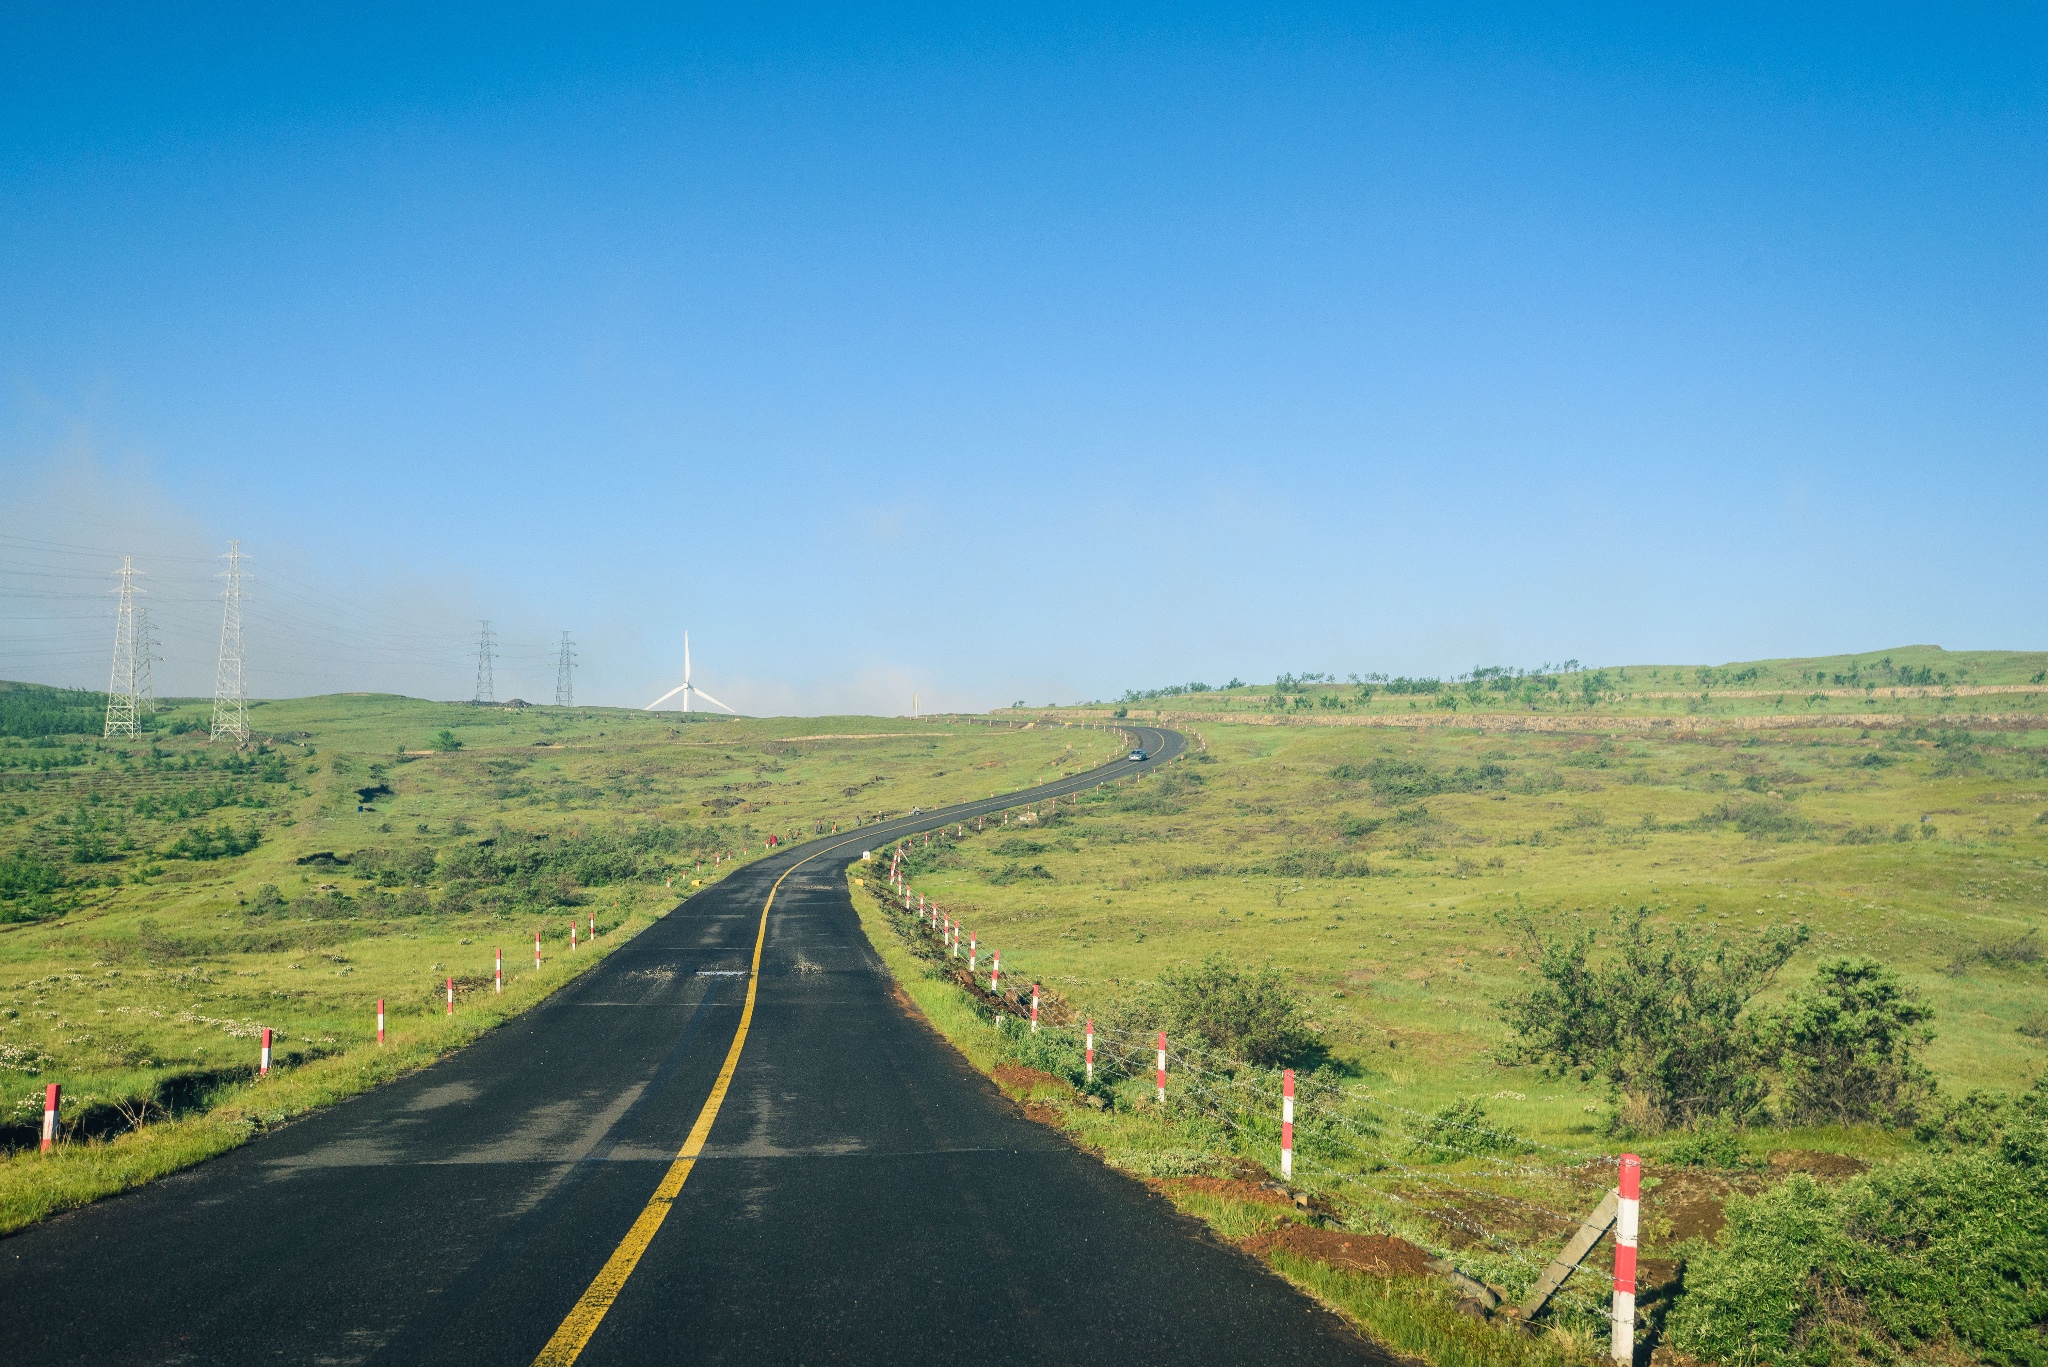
pixel 1845 1043
pixel 1253 1015
pixel 1934 1251
pixel 1664 1020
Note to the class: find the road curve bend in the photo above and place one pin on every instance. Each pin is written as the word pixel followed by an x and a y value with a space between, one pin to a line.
pixel 859 1194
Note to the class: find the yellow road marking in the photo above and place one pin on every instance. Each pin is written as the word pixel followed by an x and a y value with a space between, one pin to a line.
pixel 574 1334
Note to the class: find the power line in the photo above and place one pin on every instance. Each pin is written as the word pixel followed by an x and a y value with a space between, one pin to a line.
pixel 230 696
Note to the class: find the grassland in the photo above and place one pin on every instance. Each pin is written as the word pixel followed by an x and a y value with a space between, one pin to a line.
pixel 162 898
pixel 1389 869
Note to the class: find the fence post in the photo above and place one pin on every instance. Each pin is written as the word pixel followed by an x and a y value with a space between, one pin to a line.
pixel 1091 1051
pixel 1287 1124
pixel 1034 1008
pixel 1162 1067
pixel 451 996
pixel 972 942
pixel 52 1095
pixel 380 1020
pixel 263 1062
pixel 499 976
pixel 1625 1217
pixel 995 970
pixel 536 951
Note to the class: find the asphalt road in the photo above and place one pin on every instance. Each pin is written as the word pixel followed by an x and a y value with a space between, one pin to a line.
pixel 862 1196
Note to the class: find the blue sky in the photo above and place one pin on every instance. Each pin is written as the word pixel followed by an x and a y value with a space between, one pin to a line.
pixel 1032 353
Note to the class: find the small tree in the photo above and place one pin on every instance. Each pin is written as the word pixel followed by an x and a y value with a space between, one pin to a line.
pixel 1846 1044
pixel 1662 1020
pixel 446 743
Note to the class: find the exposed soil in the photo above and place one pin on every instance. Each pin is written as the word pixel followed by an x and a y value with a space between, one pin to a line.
pixel 1832 1165
pixel 1018 1080
pixel 1230 1189
pixel 1376 1255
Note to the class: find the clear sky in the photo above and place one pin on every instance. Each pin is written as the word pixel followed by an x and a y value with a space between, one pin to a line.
pixel 1018 354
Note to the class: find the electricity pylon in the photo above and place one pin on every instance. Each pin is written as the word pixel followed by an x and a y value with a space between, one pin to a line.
pixel 230 699
pixel 486 655
pixel 121 704
pixel 565 684
pixel 145 658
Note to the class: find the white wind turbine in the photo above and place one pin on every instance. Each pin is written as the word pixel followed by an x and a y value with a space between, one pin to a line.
pixel 686 688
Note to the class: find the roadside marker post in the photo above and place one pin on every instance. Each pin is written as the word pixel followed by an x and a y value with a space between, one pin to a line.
pixel 52 1095
pixel 1286 1124
pixel 380 1020
pixel 1162 1067
pixel 1091 1051
pixel 263 1062
pixel 451 997
pixel 1626 1216
pixel 972 942
pixel 995 971
pixel 572 935
pixel 536 951
pixel 593 927
pixel 499 976
pixel 1034 1008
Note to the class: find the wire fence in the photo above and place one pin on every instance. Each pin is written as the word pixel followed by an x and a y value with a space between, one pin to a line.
pixel 1499 1214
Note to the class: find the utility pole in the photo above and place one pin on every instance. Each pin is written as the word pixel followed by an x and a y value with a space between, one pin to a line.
pixel 230 698
pixel 486 654
pixel 121 681
pixel 565 686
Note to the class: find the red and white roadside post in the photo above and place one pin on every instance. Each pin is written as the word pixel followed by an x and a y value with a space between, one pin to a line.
pixel 451 996
pixel 572 935
pixel 1626 1215
pixel 1162 1067
pixel 1286 1124
pixel 52 1094
pixel 593 927
pixel 498 977
pixel 1034 1008
pixel 973 943
pixel 380 1020
pixel 263 1061
pixel 536 951
pixel 995 971
pixel 1091 1051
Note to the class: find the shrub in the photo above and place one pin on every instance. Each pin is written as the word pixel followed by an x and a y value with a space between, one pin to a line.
pixel 1846 1043
pixel 446 742
pixel 1663 1021
pixel 1453 1131
pixel 1250 1015
pixel 22 874
pixel 1928 1251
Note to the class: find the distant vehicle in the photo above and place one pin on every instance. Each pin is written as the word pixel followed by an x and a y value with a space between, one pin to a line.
pixel 1137 754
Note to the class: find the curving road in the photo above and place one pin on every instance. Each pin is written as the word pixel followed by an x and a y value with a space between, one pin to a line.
pixel 860 1195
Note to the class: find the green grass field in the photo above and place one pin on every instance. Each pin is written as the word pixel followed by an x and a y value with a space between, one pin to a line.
pixel 163 899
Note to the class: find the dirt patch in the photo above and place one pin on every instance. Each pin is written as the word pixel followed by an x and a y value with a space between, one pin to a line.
pixel 908 1004
pixel 1376 1255
pixel 1691 1201
pixel 1019 1080
pixel 1044 1113
pixel 1815 1164
pixel 1229 1188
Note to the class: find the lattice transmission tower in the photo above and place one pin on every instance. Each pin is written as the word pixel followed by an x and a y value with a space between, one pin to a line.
pixel 230 698
pixel 565 668
pixel 145 660
pixel 486 656
pixel 121 692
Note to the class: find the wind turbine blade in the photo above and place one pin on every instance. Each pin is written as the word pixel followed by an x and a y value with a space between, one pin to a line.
pixel 713 701
pixel 665 697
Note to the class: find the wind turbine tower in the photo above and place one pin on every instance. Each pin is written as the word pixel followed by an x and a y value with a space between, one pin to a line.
pixel 686 688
